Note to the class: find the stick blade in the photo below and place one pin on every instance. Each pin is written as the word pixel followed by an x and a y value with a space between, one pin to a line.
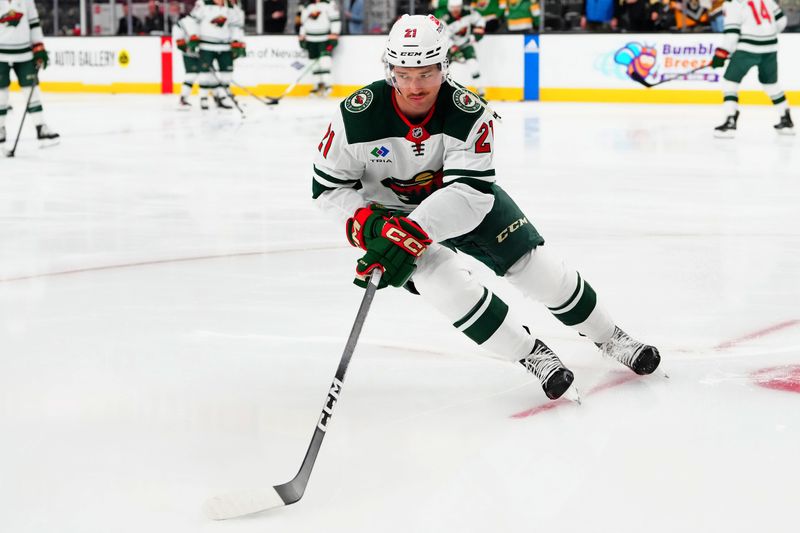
pixel 242 503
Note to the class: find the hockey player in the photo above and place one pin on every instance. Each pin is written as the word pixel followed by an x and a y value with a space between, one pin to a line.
pixel 22 50
pixel 466 27
pixel 523 16
pixel 406 168
pixel 220 36
pixel 751 40
pixel 185 34
pixel 319 34
pixel 492 11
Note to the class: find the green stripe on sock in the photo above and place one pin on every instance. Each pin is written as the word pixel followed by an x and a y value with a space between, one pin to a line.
pixel 778 100
pixel 731 98
pixel 570 299
pixel 488 322
pixel 460 322
pixel 35 109
pixel 3 112
pixel 582 309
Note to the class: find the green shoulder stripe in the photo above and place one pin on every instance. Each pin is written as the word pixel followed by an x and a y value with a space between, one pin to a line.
pixel 477 184
pixel 468 173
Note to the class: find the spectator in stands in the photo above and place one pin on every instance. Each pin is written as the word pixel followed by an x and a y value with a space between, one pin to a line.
pixel 688 15
pixel 355 17
pixel 137 26
pixel 598 15
pixel 523 16
pixel 638 15
pixel 275 16
pixel 154 21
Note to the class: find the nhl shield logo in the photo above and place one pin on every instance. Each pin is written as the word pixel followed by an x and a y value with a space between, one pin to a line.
pixel 466 101
pixel 416 133
pixel 359 101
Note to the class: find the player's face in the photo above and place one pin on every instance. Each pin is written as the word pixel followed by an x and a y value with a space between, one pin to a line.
pixel 418 87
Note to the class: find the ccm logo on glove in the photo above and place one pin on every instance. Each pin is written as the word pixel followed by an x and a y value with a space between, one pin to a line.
pixel 392 231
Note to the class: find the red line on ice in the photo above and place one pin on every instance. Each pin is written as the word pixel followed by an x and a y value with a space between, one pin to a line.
pixel 756 334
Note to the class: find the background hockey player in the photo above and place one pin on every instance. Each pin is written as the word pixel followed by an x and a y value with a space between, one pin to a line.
pixel 320 26
pixel 751 40
pixel 22 50
pixel 185 34
pixel 221 38
pixel 466 27
pixel 523 16
pixel 492 11
pixel 406 168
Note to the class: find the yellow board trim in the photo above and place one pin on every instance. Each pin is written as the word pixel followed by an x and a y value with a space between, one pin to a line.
pixel 657 96
pixel 79 87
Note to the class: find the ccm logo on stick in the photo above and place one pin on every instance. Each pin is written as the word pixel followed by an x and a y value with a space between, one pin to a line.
pixel 511 229
pixel 327 411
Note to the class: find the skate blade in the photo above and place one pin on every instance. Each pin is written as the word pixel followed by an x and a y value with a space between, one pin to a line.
pixel 49 143
pixel 787 132
pixel 572 394
pixel 724 134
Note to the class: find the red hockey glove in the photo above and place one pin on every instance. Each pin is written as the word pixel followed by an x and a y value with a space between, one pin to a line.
pixel 194 42
pixel 365 225
pixel 395 252
pixel 720 56
pixel 40 56
pixel 238 49
pixel 181 44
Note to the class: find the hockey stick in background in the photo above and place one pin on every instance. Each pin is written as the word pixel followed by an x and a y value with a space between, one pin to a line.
pixel 270 101
pixel 247 502
pixel 10 153
pixel 635 76
pixel 291 87
pixel 215 72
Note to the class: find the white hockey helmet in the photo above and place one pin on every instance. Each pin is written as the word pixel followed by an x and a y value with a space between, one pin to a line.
pixel 416 41
pixel 452 4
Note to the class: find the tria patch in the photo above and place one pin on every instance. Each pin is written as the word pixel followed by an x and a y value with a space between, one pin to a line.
pixel 359 101
pixel 466 101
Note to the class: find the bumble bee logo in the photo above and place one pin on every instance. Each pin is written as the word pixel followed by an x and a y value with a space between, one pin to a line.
pixel 124 58
pixel 466 101
pixel 219 21
pixel 359 101
pixel 637 59
pixel 416 189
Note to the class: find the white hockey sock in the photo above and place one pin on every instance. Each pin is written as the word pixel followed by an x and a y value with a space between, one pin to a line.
pixel 473 309
pixel 777 96
pixel 188 83
pixel 730 91
pixel 4 95
pixel 547 279
pixel 35 107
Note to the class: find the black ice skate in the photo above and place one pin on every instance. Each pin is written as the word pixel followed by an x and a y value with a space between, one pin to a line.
pixel 184 103
pixel 728 129
pixel 546 366
pixel 785 126
pixel 222 102
pixel 46 136
pixel 204 103
pixel 641 358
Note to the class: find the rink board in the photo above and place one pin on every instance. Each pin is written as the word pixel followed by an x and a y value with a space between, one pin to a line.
pixel 568 68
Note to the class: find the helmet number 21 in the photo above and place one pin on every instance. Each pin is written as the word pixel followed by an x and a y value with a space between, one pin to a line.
pixel 411 33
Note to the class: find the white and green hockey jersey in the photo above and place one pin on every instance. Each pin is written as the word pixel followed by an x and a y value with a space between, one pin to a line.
pixel 439 170
pixel 752 26
pixel 318 20
pixel 466 29
pixel 217 25
pixel 19 30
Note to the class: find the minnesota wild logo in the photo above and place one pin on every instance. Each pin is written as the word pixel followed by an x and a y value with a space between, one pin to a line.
pixel 416 189
pixel 219 21
pixel 11 18
pixel 466 101
pixel 359 101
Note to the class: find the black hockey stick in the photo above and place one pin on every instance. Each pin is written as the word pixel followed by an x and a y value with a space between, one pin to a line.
pixel 267 101
pixel 635 76
pixel 291 87
pixel 215 72
pixel 247 502
pixel 10 153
